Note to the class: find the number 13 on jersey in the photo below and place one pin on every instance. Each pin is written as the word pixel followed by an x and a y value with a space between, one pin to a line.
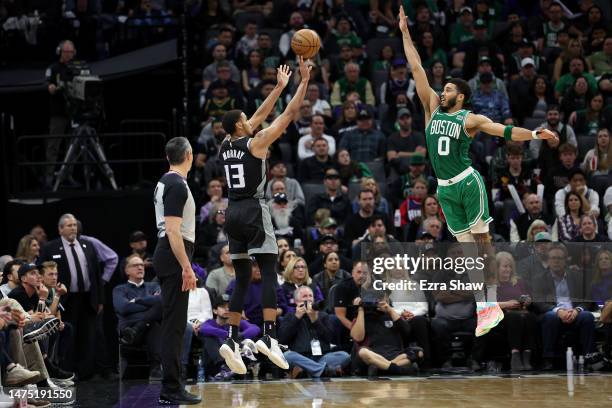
pixel 234 174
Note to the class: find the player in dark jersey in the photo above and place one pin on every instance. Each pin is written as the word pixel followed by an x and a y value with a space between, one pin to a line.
pixel 247 218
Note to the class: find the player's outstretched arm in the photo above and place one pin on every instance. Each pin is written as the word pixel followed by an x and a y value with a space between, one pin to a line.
pixel 283 73
pixel 259 144
pixel 480 123
pixel 429 98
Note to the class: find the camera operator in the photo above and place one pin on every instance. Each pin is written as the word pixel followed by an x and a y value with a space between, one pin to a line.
pixel 381 335
pixel 308 333
pixel 56 75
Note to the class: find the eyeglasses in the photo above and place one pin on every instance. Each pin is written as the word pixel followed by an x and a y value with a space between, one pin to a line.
pixel 299 267
pixel 138 265
pixel 220 211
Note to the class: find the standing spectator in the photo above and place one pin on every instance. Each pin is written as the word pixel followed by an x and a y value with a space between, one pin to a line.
pixel 39 233
pixel 309 333
pixel 317 128
pixel 364 143
pixel 28 249
pixel 218 279
pixel 77 265
pixel 106 256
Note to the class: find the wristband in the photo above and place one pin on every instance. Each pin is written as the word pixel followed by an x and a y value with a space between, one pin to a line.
pixel 508 132
pixel 534 134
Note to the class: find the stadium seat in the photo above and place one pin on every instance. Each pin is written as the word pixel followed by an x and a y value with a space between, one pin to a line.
pixel 310 190
pixel 375 45
pixel 532 123
pixel 585 143
pixel 378 171
pixel 243 18
pixel 286 152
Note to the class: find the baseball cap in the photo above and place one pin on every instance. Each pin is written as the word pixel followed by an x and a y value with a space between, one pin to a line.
pixel 543 237
pixel 465 9
pixel 486 78
pixel 398 62
pixel 364 114
pixel 328 237
pixel 417 160
pixel 527 61
pixel 220 300
pixel 280 198
pixel 137 236
pixel 329 222
pixel 403 111
pixel 25 268
pixel 480 23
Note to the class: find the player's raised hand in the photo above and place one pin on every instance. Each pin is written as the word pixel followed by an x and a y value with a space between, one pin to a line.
pixel 403 22
pixel 304 69
pixel 546 134
pixel 283 73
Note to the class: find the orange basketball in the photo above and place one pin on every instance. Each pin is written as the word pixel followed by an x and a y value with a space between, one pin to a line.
pixel 306 43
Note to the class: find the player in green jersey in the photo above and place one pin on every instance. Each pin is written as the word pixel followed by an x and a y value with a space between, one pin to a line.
pixel 461 191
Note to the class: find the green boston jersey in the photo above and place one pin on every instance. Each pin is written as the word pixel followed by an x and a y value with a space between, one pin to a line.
pixel 448 143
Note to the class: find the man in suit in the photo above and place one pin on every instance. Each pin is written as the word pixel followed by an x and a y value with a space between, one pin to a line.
pixel 559 299
pixel 78 268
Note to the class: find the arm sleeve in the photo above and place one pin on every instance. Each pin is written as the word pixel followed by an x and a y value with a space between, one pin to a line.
pixel 174 198
pixel 302 147
pixel 560 202
pixel 209 330
pixel 332 145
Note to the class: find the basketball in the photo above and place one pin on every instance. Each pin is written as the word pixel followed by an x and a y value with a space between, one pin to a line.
pixel 305 43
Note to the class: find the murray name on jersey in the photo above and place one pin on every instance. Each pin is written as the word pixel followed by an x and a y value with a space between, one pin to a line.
pixel 233 154
pixel 446 128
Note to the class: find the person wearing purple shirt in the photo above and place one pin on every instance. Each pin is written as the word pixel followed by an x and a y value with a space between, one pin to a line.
pixel 106 255
pixel 253 309
pixel 215 331
pixel 601 288
pixel 520 323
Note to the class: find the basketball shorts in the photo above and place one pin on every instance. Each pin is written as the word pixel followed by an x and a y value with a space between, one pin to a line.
pixel 464 201
pixel 248 225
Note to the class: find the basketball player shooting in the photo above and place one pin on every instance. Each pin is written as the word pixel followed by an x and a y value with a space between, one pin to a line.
pixel 247 218
pixel 461 191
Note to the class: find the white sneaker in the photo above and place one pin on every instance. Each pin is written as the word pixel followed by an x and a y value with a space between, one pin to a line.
pixel 269 347
pixel 6 401
pixel 249 349
pixel 230 351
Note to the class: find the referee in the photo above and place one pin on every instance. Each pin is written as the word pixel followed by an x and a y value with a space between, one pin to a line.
pixel 175 217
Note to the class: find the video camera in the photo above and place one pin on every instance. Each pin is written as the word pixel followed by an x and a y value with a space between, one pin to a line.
pixel 83 92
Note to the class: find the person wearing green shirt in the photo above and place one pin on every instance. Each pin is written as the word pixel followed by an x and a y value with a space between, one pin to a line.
pixel 601 61
pixel 463 29
pixel 576 70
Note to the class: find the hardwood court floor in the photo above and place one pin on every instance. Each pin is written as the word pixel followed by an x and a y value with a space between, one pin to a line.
pixel 536 391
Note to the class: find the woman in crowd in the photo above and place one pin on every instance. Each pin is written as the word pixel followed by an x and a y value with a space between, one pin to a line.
pixel 576 97
pixel 601 287
pixel 520 323
pixel 430 208
pixel 574 49
pixel 595 116
pixel 28 249
pixel 252 73
pixel 347 120
pixel 410 209
pixel 330 275
pixel 381 203
pixel 595 162
pixel 350 170
pixel 283 260
pixel 569 224
pixel 296 275
pixel 430 52
pixel 383 63
pixel 437 75
pixel 541 96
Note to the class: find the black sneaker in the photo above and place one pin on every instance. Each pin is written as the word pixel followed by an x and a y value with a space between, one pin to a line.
pixel 180 397
pixel 40 330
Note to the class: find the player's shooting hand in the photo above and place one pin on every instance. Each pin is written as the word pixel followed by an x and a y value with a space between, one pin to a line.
pixel 283 73
pixel 547 134
pixel 304 69
pixel 403 22
pixel 189 279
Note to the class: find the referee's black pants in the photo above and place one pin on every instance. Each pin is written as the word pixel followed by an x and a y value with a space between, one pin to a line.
pixel 174 311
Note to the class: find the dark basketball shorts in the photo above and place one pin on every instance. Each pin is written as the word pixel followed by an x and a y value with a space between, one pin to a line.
pixel 248 225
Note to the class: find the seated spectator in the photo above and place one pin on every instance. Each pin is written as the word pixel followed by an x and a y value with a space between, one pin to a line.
pixel 331 274
pixel 219 53
pixel 588 230
pixel 328 243
pixel 259 94
pixel 601 285
pixel 491 102
pixel 515 174
pixel 566 312
pixel 347 120
pixel 218 279
pixel 385 59
pixel 399 83
pixel 284 257
pixel 573 50
pixel 519 227
pixel 463 30
pixel 539 99
pixel 208 165
pixel 293 190
pixel 577 69
pixel 577 184
pixel 357 223
pixel 269 51
pixel 569 223
pixel 224 77
pixel 215 331
pixel 253 310
pixel 485 67
pixel 220 103
pixel 350 170
pixel 520 87
pixel 600 60
pixel 565 132
pixel 296 22
pixel 558 175
pixel 309 333
pixel 248 42
pixel 519 322
pixel 296 275
pixel 278 186
pixel 405 143
pixel 319 106
pixel 28 249
pixel 10 276
pixel 380 334
pixel 285 223
pixel 351 81
pixel 429 209
pixel 608 204
pixel 596 115
pixel 576 98
pixel 339 62
pixel 375 229
pixel 312 169
pixel 333 198
pixel 139 311
pixel 348 295
pixel 212 232
pixel 430 52
pixel 437 76
pixel 595 161
pixel 252 73
pixel 323 225
pixel 214 192
pixel 317 128
pixel 533 264
pixel 402 186
pixel 380 202
pixel 364 143
pixel 410 208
